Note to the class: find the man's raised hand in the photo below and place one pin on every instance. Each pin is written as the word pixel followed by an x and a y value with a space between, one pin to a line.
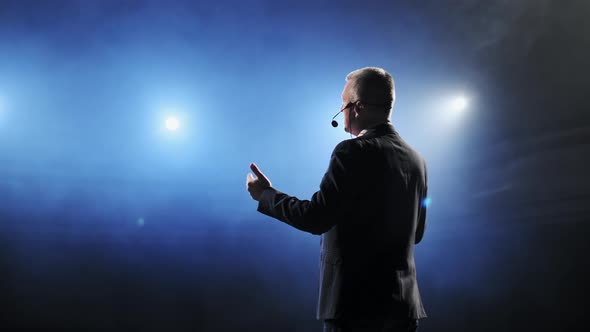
pixel 256 185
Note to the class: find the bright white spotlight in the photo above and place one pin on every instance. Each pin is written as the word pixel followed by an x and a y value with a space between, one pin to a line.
pixel 172 123
pixel 459 104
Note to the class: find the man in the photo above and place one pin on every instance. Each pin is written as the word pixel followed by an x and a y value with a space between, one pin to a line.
pixel 368 211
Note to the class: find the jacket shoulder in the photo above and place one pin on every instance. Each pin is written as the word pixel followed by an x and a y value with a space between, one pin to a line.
pixel 348 146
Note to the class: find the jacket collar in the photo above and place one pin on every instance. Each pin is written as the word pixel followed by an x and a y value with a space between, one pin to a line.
pixel 384 128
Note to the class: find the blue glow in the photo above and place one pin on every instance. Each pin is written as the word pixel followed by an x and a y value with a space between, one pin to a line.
pixel 126 133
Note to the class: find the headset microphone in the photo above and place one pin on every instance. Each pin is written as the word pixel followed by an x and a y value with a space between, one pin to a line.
pixel 334 122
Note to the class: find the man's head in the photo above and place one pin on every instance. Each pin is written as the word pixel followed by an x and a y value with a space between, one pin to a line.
pixel 369 94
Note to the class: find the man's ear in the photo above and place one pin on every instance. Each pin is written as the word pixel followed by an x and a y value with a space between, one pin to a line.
pixel 359 108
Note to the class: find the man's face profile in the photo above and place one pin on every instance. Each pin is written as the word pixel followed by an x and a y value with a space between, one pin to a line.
pixel 346 99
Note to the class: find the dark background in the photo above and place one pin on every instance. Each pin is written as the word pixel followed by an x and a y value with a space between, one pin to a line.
pixel 108 221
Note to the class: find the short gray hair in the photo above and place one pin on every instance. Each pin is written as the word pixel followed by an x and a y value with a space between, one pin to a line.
pixel 373 85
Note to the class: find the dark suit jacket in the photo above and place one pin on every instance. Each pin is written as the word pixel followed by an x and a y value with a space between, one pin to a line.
pixel 370 215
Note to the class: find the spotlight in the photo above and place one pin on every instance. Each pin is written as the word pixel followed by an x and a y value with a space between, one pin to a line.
pixel 459 104
pixel 172 123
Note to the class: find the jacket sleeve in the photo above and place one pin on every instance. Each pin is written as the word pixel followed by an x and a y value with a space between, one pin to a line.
pixel 422 211
pixel 326 206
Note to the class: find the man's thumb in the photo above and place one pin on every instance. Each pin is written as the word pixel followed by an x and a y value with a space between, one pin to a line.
pixel 258 173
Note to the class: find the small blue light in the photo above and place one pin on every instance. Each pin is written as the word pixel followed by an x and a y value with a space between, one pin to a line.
pixel 426 202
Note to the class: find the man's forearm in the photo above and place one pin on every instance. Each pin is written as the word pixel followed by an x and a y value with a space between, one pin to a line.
pixel 304 215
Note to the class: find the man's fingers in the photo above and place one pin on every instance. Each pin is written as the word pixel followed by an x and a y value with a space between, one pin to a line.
pixel 256 171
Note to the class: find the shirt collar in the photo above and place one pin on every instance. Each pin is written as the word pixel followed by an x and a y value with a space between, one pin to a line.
pixel 382 128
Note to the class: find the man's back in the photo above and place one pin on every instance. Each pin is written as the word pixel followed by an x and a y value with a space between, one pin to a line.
pixel 367 265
